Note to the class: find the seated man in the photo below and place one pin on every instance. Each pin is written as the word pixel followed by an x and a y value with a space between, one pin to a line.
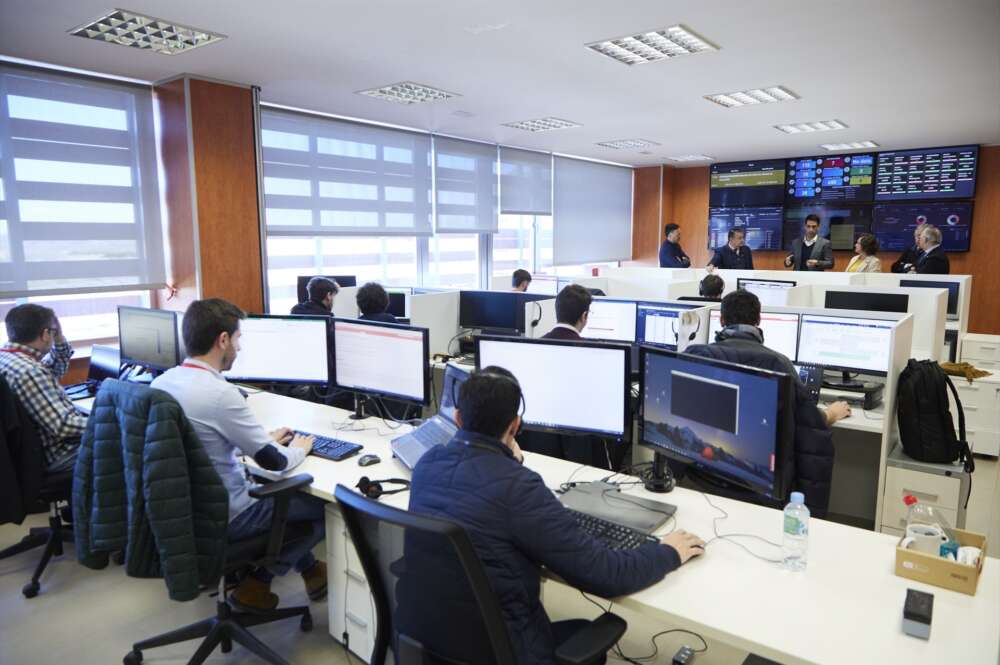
pixel 516 526
pixel 33 360
pixel 520 280
pixel 741 341
pixel 711 287
pixel 734 255
pixel 373 301
pixel 572 312
pixel 227 429
pixel 322 291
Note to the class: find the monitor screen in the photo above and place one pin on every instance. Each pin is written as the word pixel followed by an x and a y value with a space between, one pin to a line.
pixel 148 337
pixel 577 387
pixel 929 173
pixel 759 183
pixel 612 320
pixel 658 323
pixel 781 331
pixel 842 225
pixel 762 226
pixel 399 302
pixel 283 349
pixel 303 281
pixel 383 359
pixel 951 286
pixel 105 363
pixel 869 302
pixel 844 343
pixel 893 225
pixel 487 310
pixel 736 440
pixel 768 291
pixel 840 178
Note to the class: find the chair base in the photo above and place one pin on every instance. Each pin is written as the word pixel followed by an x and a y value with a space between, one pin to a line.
pixel 51 538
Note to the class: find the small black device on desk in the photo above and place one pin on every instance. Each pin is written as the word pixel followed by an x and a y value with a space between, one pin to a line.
pixel 917 611
pixel 331 449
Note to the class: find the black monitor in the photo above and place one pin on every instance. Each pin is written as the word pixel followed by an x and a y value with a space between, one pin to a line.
pixel 105 363
pixel 951 286
pixel 762 226
pixel 927 173
pixel 836 178
pixel 867 301
pixel 399 301
pixel 740 439
pixel 757 183
pixel 283 349
pixel 303 281
pixel 495 310
pixel 148 337
pixel 894 224
pixel 382 359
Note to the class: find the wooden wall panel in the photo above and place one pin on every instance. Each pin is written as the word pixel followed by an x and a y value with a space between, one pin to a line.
pixel 646 228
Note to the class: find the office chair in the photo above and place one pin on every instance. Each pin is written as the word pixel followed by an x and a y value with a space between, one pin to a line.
pixel 404 554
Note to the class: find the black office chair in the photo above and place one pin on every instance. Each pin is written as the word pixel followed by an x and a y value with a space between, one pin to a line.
pixel 404 554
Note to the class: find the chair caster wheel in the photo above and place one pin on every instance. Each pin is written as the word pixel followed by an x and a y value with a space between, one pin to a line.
pixel 132 658
pixel 30 590
pixel 306 624
pixel 118 557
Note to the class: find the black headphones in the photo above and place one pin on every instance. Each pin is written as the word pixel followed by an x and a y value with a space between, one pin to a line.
pixel 373 488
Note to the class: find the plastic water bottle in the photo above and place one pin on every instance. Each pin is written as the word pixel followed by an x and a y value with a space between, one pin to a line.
pixel 795 543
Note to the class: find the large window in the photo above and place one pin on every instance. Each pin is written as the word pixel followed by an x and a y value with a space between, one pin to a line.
pixel 454 261
pixel 90 318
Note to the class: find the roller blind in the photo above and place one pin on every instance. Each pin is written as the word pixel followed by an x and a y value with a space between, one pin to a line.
pixel 79 198
pixel 592 216
pixel 525 182
pixel 326 177
pixel 465 176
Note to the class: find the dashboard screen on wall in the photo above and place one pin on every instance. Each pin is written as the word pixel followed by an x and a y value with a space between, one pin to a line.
pixel 760 183
pixel 893 224
pixel 929 173
pixel 842 224
pixel 762 226
pixel 840 178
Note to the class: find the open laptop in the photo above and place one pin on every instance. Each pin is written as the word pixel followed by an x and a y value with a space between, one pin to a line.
pixel 436 430
pixel 105 363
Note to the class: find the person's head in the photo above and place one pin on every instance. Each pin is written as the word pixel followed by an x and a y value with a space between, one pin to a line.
pixel 866 245
pixel 811 226
pixel 711 287
pixel 32 325
pixel 930 236
pixel 573 306
pixel 737 237
pixel 211 331
pixel 672 232
pixel 372 299
pixel 916 234
pixel 520 280
pixel 740 306
pixel 322 290
pixel 489 402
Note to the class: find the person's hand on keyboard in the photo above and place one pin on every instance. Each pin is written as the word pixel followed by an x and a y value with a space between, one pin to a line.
pixel 687 544
pixel 305 443
pixel 282 435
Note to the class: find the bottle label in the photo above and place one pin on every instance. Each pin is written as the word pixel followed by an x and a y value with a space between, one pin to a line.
pixel 794 526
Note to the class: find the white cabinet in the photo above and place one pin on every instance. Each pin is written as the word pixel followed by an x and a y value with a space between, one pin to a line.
pixel 978 348
pixel 943 486
pixel 981 404
pixel 350 604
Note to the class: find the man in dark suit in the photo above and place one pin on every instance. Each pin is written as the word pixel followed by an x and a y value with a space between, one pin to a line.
pixel 734 255
pixel 811 251
pixel 572 312
pixel 321 291
pixel 933 261
pixel 671 254
pixel 373 301
pixel 909 258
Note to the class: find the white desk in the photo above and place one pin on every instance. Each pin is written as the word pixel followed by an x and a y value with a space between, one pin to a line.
pixel 845 608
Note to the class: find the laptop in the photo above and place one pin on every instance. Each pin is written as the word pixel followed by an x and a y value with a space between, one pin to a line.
pixel 436 430
pixel 812 378
pixel 105 363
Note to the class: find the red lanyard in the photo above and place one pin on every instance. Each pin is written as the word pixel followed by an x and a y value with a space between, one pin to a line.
pixel 193 366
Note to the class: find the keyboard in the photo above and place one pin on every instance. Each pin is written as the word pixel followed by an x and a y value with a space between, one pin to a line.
pixel 432 433
pixel 331 449
pixel 615 536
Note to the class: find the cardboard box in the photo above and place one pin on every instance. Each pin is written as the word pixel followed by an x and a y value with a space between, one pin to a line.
pixel 943 572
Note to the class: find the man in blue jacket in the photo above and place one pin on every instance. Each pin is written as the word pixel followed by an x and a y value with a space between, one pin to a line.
pixel 734 255
pixel 516 526
pixel 671 254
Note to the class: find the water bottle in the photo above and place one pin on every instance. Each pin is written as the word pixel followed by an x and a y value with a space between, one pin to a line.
pixel 795 544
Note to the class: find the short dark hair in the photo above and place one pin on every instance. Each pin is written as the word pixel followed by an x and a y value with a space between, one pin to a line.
pixel 489 401
pixel 372 299
pixel 811 217
pixel 711 286
pixel 571 303
pixel 740 306
pixel 869 243
pixel 26 323
pixel 319 288
pixel 205 320
pixel 520 276
pixel 670 228
pixel 736 229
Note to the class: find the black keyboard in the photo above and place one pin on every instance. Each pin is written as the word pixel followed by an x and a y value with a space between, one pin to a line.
pixel 615 536
pixel 331 449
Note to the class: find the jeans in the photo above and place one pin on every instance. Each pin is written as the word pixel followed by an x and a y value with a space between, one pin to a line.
pixel 256 520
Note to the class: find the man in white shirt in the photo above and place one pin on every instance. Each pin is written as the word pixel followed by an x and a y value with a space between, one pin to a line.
pixel 227 429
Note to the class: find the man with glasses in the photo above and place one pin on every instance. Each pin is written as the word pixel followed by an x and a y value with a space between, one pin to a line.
pixel 33 360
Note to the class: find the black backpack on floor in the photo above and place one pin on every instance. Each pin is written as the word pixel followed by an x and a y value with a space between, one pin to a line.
pixel 925 424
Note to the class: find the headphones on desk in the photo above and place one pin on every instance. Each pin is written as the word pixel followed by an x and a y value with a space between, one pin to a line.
pixel 373 488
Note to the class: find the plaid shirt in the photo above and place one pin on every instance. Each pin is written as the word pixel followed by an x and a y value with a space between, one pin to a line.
pixel 35 380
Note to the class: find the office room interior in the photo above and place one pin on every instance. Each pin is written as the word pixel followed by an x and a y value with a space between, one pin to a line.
pixel 463 332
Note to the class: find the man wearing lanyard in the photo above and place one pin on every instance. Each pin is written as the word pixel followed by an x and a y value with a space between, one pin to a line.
pixel 33 360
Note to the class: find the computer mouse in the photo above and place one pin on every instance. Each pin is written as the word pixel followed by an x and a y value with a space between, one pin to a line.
pixel 368 460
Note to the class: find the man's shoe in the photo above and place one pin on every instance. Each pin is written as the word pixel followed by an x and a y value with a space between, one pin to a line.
pixel 315 579
pixel 253 596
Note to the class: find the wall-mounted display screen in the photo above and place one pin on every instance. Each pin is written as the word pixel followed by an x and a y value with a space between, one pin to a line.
pixel 929 173
pixel 842 178
pixel 762 226
pixel 760 183
pixel 893 224
pixel 842 225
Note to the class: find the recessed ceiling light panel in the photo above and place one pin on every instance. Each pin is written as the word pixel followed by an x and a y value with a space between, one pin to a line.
pixel 127 28
pixel 754 96
pixel 408 92
pixel 652 46
pixel 691 158
pixel 542 124
pixel 628 144
pixel 853 145
pixel 807 127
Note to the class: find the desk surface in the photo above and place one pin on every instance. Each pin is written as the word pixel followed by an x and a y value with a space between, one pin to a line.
pixel 845 608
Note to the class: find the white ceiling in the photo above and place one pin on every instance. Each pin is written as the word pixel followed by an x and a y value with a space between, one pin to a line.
pixel 904 73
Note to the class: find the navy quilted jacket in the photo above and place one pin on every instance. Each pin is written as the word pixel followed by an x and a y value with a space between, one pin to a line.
pixel 517 525
pixel 143 482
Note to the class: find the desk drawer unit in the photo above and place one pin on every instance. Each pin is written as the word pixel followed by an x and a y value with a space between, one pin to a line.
pixel 943 486
pixel 349 603
pixel 981 403
pixel 981 348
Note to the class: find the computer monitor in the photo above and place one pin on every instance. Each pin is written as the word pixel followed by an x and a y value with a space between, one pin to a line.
pixel 846 343
pixel 867 301
pixel 895 223
pixel 762 227
pixel 781 330
pixel 283 349
pixel 927 173
pixel 613 320
pixel 303 281
pixel 569 387
pixel 399 302
pixel 952 292
pixel 724 419
pixel 382 359
pixel 769 291
pixel 736 184
pixel 148 337
pixel 659 324
pixel 494 310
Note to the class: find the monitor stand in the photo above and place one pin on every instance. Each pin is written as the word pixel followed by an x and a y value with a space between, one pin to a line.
pixel 360 412
pixel 846 383
pixel 661 480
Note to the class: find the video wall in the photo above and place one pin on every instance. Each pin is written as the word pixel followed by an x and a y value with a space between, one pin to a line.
pixel 887 193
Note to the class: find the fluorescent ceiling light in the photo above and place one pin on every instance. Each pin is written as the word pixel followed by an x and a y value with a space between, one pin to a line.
pixel 754 96
pixel 542 124
pixel 652 46
pixel 806 127
pixel 408 92
pixel 628 144
pixel 854 145
pixel 127 28
pixel 691 158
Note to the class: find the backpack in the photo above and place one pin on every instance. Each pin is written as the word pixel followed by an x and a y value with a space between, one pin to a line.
pixel 926 428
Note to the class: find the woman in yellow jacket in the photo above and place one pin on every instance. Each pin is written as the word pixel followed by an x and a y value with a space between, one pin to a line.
pixel 864 259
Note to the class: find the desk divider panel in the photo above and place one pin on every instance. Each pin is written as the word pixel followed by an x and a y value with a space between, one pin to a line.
pixel 438 312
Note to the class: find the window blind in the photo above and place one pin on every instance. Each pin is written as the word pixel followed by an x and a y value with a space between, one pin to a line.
pixel 525 182
pixel 592 214
pixel 465 176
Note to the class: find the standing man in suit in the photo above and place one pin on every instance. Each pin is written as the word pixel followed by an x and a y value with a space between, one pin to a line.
pixel 909 258
pixel 572 312
pixel 734 255
pixel 671 254
pixel 933 261
pixel 810 251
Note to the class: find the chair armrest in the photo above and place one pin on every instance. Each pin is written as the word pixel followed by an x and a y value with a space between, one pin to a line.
pixel 591 643
pixel 285 485
pixel 280 492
